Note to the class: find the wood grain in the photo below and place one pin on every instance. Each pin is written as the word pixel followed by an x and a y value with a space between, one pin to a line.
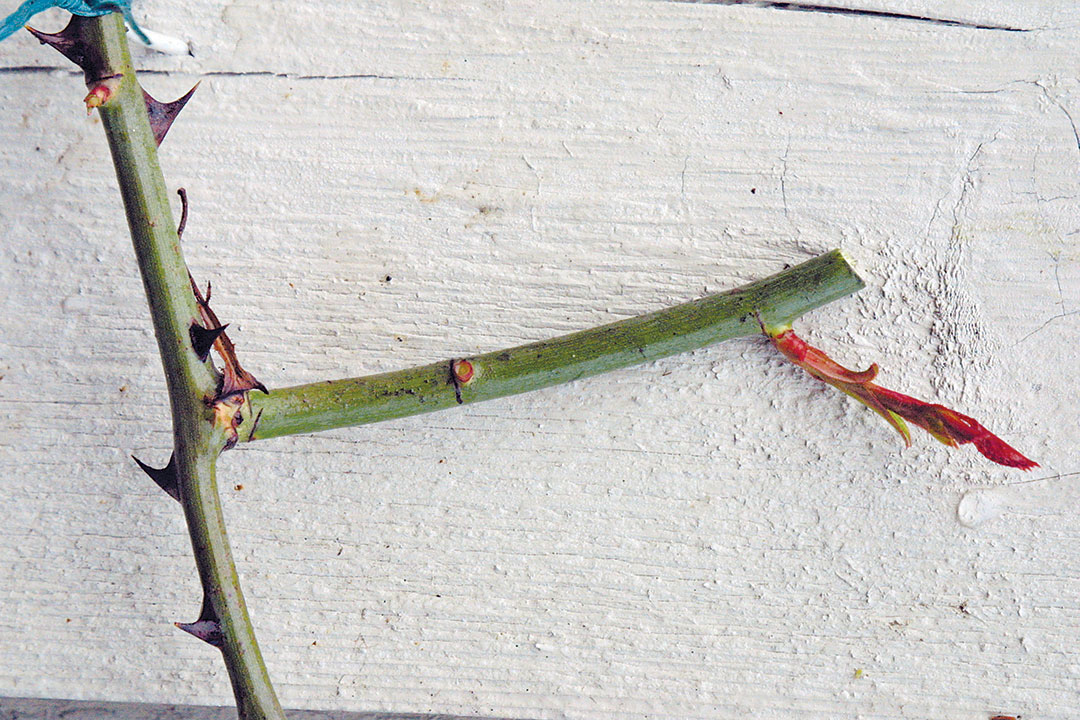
pixel 377 185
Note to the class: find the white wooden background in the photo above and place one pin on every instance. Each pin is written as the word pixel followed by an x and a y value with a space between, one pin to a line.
pixel 381 184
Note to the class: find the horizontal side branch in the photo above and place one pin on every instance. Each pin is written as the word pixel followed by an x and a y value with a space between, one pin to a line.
pixel 776 300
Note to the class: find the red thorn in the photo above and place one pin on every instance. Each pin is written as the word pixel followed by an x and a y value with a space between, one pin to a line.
pixel 67 42
pixel 162 114
pixel 206 628
pixel 209 631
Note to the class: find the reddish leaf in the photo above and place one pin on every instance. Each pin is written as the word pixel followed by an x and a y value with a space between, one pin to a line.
pixel 948 426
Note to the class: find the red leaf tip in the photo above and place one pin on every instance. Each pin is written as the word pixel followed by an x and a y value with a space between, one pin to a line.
pixel 948 426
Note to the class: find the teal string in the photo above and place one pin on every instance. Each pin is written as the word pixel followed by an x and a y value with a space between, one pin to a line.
pixel 84 8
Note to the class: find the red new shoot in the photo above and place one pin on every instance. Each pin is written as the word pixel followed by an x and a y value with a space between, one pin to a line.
pixel 948 426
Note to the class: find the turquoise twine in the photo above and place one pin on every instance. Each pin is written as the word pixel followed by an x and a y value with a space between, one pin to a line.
pixel 85 8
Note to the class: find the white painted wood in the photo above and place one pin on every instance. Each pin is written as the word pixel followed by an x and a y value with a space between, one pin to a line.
pixel 39 709
pixel 713 535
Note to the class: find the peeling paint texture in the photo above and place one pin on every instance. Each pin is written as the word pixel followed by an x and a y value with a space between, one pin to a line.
pixel 715 535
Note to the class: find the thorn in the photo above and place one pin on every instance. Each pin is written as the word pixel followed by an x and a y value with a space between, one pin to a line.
pixel 207 628
pixel 68 42
pixel 202 339
pixel 164 477
pixel 209 631
pixel 238 380
pixel 235 379
pixel 162 114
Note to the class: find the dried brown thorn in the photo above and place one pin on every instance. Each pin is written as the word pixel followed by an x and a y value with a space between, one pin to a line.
pixel 235 379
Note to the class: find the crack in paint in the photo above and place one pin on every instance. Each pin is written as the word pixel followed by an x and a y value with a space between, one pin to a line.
pixel 1061 106
pixel 47 69
pixel 860 12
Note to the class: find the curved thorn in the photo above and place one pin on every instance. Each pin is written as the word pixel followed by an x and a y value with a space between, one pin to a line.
pixel 209 631
pixel 207 628
pixel 67 42
pixel 164 477
pixel 162 114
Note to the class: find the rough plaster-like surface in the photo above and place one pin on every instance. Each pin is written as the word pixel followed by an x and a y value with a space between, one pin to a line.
pixel 376 185
pixel 41 709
